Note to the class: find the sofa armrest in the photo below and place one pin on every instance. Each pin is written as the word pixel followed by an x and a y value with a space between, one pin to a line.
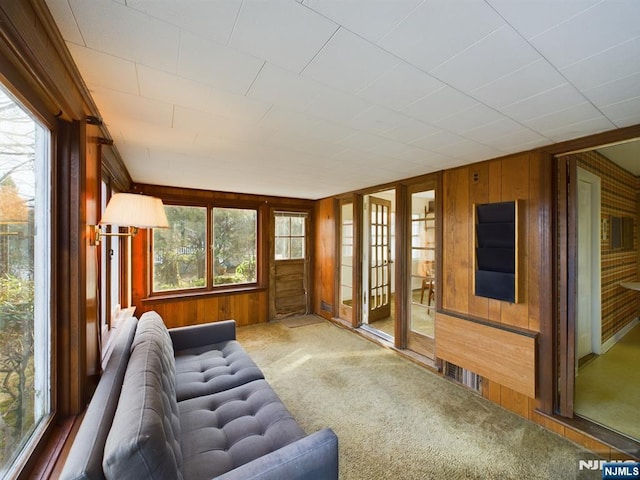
pixel 204 334
pixel 314 456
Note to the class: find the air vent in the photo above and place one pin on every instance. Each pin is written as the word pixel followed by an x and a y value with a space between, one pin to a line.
pixel 327 307
pixel 465 377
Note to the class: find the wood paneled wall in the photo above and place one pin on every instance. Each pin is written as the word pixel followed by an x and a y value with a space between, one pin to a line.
pixel 526 177
pixel 325 258
pixel 245 306
pixel 523 177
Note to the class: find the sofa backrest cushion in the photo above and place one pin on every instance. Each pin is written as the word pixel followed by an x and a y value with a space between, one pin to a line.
pixel 84 461
pixel 144 441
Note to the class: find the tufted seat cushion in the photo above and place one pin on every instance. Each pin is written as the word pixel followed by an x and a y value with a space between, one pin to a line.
pixel 225 430
pixel 213 368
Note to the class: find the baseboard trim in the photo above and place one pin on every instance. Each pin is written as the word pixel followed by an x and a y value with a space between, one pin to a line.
pixel 606 346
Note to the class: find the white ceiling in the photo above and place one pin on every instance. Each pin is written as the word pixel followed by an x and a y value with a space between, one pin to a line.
pixel 317 97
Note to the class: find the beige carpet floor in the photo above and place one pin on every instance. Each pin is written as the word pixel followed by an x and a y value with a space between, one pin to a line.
pixel 608 388
pixel 396 420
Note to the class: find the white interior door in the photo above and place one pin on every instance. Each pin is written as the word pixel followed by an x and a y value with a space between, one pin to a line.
pixel 588 321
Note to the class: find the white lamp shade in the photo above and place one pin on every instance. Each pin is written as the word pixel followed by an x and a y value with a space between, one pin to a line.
pixel 134 210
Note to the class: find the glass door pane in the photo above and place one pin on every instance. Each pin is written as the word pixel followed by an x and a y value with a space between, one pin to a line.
pixel 423 281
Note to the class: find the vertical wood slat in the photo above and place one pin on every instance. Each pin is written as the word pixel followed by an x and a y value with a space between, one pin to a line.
pixel 456 241
pixel 325 258
pixel 479 193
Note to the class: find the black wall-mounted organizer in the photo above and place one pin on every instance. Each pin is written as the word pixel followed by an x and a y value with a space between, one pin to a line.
pixel 496 236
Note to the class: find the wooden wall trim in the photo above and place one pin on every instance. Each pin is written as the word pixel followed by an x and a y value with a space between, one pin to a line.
pixel 179 194
pixel 70 270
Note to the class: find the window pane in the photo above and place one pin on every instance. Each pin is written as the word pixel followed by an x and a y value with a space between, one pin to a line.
pixel 282 248
pixel 235 233
pixel 297 247
pixel 179 253
pixel 297 226
pixel 282 226
pixel 24 279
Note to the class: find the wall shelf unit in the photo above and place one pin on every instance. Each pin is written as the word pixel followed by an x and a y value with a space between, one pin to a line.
pixel 497 254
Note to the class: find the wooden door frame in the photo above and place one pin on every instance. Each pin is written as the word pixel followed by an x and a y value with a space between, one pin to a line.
pixel 414 339
pixel 272 261
pixel 388 204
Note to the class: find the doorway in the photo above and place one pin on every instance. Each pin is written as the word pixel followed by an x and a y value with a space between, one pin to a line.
pixel 588 321
pixel 378 275
pixel 289 272
pixel 423 280
pixel 598 325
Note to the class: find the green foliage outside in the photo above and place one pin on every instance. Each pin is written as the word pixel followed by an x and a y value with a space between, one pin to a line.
pixel 179 253
pixel 17 390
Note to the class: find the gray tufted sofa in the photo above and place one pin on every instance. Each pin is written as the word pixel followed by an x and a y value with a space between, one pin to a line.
pixel 189 403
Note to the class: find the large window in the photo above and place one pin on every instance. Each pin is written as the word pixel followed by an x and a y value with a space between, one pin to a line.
pixel 179 252
pixel 235 231
pixel 182 261
pixel 24 280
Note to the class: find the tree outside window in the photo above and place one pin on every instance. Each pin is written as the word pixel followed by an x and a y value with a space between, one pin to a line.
pixel 179 252
pixel 24 280
pixel 234 245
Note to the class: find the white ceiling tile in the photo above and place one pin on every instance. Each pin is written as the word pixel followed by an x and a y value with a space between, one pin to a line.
pixel 500 129
pixel 377 119
pixel 284 88
pixel 439 29
pixel 409 130
pixel 103 70
pixel 532 17
pixel 471 118
pixel 595 30
pixel 469 150
pixel 499 53
pixel 221 67
pixel 281 31
pixel 580 129
pixel 349 63
pixel 615 92
pixel 624 114
pixel 551 122
pixel 200 122
pixel 400 86
pixel 170 88
pixel 336 106
pixel 525 82
pixel 65 21
pixel 375 144
pixel 438 105
pixel 438 141
pixel 114 105
pixel 370 20
pixel 128 34
pixel 212 20
pixel 504 134
pixel 615 63
pixel 554 100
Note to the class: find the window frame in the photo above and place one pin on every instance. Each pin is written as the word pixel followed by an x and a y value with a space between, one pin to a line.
pixel 44 271
pixel 289 215
pixel 209 288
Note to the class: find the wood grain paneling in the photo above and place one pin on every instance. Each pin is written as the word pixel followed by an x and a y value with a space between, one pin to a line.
pixel 325 258
pixel 245 308
pixel 245 305
pixel 504 356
